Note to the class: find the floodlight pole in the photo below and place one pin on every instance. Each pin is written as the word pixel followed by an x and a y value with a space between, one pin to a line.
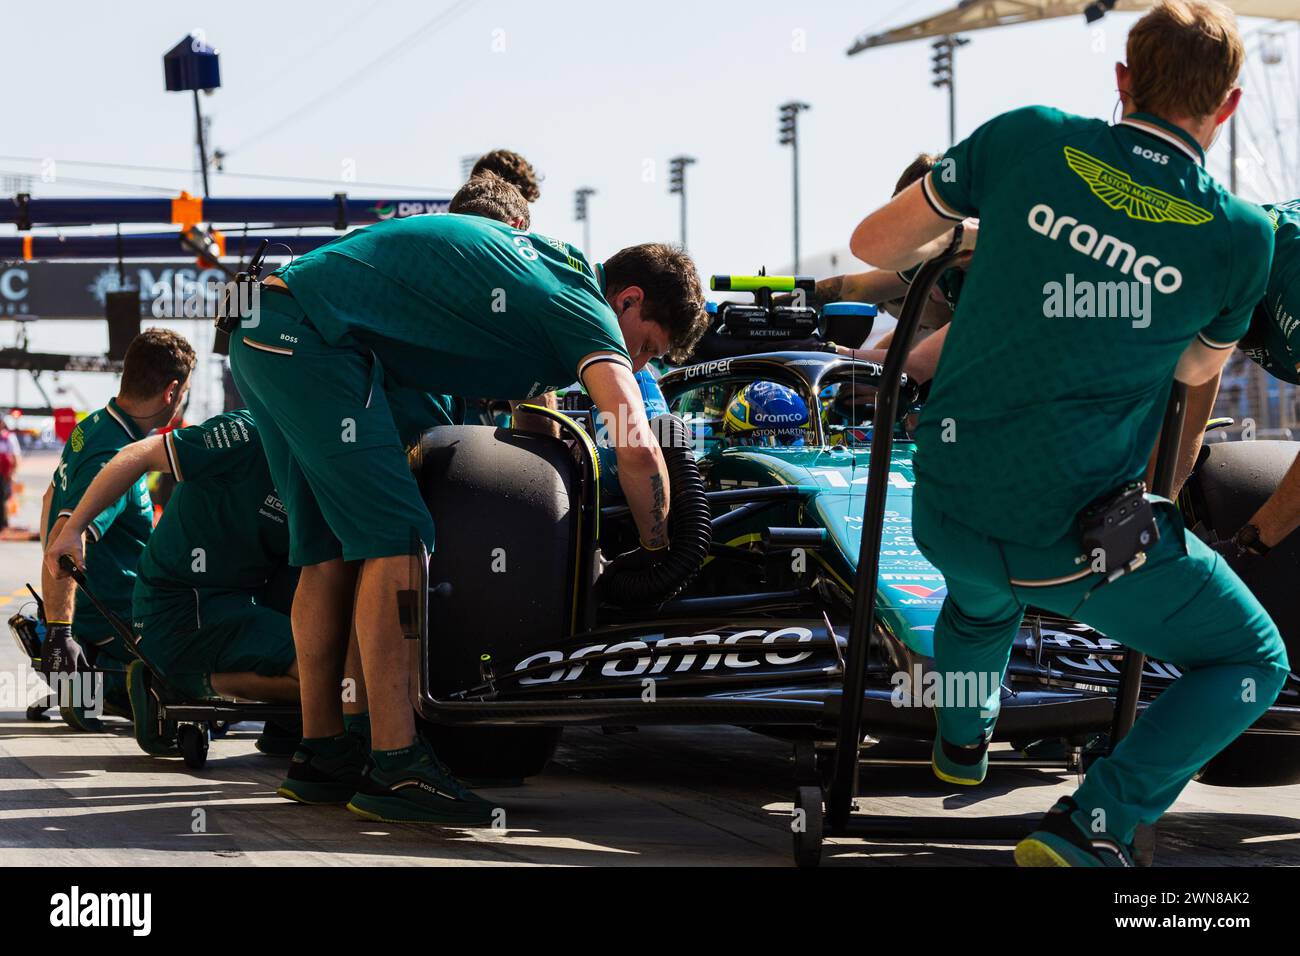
pixel 203 149
pixel 677 184
pixel 789 136
pixel 583 215
pixel 943 67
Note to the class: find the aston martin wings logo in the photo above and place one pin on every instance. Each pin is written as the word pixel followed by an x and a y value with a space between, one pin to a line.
pixel 1117 190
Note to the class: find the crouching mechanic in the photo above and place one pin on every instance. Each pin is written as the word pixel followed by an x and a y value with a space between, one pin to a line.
pixel 155 382
pixel 1273 342
pixel 1082 401
pixel 446 304
pixel 213 587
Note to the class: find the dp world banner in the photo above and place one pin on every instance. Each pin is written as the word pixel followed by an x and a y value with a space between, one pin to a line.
pixel 76 290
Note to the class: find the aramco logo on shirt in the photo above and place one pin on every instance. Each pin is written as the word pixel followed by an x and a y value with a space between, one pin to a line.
pixel 1089 241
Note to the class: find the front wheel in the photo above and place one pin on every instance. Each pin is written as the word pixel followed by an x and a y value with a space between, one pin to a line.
pixel 193 743
pixel 808 827
pixel 1255 760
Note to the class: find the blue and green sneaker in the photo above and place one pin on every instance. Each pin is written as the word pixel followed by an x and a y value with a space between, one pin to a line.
pixel 324 771
pixel 156 738
pixel 965 766
pixel 1064 839
pixel 412 786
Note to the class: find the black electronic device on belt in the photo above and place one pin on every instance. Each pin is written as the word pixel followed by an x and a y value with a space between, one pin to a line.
pixel 240 292
pixel 1120 529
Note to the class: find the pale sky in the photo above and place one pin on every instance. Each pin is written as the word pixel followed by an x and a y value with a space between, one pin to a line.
pixel 594 94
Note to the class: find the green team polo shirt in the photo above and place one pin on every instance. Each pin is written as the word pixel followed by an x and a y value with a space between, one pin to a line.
pixel 1040 405
pixel 1274 338
pixel 224 526
pixel 119 532
pixel 458 304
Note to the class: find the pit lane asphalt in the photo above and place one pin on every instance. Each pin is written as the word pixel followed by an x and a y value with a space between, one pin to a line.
pixel 676 796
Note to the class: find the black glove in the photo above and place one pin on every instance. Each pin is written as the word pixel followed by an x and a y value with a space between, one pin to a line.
pixel 60 652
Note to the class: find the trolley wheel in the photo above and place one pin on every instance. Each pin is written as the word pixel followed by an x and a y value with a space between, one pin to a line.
pixel 193 743
pixel 807 825
pixel 805 763
pixel 1144 844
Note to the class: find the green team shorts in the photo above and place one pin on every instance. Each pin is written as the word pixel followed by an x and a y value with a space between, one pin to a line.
pixel 189 634
pixel 335 453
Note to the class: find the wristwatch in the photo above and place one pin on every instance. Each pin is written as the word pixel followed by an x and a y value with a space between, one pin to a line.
pixel 1247 540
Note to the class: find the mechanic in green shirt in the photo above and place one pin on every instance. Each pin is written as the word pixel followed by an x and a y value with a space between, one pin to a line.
pixel 155 381
pixel 212 590
pixel 1040 408
pixel 447 304
pixel 1273 342
pixel 486 194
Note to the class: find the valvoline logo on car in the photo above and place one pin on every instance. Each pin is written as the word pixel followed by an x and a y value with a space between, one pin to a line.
pixel 921 591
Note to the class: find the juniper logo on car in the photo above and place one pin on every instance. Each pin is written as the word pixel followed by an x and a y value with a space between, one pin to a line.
pixel 715 367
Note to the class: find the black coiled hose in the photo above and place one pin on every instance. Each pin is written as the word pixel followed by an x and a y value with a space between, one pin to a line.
pixel 690 529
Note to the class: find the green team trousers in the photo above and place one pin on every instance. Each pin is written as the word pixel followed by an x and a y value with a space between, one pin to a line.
pixel 1184 606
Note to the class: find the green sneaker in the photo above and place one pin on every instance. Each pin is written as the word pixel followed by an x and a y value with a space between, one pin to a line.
pixel 416 788
pixel 964 766
pixel 324 772
pixel 1063 839
pixel 77 718
pixel 73 691
pixel 154 738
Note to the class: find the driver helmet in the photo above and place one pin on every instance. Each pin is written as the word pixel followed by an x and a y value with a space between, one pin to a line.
pixel 765 413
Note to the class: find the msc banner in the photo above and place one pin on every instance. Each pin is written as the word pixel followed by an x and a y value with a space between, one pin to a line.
pixel 76 290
